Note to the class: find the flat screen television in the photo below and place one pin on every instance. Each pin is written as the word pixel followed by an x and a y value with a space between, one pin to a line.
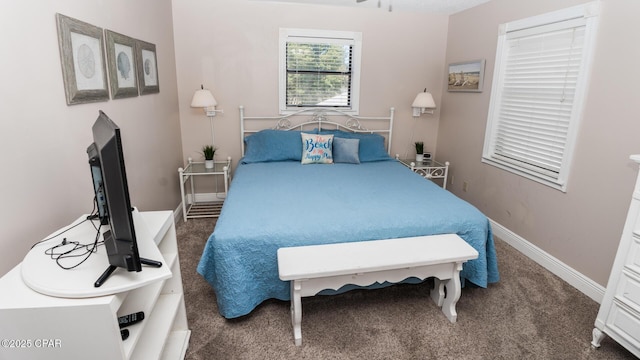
pixel 106 160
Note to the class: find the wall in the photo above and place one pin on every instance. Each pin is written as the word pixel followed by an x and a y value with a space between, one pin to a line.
pixel 231 46
pixel 46 182
pixel 581 227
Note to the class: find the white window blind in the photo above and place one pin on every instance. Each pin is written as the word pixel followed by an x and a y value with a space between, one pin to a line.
pixel 318 74
pixel 319 69
pixel 540 80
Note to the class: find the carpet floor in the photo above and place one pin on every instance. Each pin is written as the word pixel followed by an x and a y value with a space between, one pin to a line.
pixel 529 314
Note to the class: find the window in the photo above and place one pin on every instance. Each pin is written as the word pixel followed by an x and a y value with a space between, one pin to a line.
pixel 319 69
pixel 540 81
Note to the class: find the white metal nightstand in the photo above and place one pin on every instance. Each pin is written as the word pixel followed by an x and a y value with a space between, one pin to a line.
pixel 203 208
pixel 429 169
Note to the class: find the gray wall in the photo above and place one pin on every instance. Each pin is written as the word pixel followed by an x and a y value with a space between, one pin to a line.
pixel 46 182
pixel 581 227
pixel 402 53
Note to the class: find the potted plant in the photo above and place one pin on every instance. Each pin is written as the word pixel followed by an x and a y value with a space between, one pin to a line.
pixel 419 150
pixel 208 151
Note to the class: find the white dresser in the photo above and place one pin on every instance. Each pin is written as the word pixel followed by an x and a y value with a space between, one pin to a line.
pixel 76 325
pixel 619 315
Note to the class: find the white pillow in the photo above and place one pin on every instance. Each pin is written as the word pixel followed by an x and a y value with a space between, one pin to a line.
pixel 317 149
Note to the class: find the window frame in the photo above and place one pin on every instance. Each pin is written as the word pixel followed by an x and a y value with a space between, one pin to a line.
pixel 330 36
pixel 589 13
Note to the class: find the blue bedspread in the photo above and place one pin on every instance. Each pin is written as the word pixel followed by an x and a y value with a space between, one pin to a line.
pixel 273 205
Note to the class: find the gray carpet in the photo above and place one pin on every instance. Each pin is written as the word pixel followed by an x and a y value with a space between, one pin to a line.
pixel 529 314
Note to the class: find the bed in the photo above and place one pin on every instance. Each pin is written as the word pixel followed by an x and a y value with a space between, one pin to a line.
pixel 275 200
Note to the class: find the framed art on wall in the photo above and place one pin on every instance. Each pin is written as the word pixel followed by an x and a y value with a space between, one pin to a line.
pixel 82 58
pixel 147 65
pixel 121 52
pixel 466 76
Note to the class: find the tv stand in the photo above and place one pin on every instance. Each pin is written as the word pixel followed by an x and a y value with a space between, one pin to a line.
pixel 43 275
pixel 153 263
pixel 105 275
pixel 76 327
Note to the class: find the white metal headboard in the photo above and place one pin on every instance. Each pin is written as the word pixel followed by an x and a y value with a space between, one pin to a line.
pixel 320 118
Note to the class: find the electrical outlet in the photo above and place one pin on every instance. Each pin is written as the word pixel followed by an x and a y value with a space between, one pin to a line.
pixel 451 180
pixel 465 186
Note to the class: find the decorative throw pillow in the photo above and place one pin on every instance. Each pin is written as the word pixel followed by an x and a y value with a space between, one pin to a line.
pixel 317 149
pixel 346 150
pixel 371 147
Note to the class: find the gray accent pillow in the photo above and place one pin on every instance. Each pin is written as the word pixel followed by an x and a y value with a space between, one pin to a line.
pixel 346 150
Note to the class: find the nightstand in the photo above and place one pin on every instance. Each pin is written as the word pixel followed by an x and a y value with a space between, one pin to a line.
pixel 201 209
pixel 429 169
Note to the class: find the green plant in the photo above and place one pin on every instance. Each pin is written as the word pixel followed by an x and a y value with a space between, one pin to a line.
pixel 419 147
pixel 208 151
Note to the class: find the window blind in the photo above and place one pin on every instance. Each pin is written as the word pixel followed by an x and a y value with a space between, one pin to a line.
pixel 541 71
pixel 318 73
pixel 539 87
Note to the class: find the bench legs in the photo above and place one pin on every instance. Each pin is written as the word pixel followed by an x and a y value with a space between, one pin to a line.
pixel 454 290
pixel 453 295
pixel 296 311
pixel 450 272
pixel 437 293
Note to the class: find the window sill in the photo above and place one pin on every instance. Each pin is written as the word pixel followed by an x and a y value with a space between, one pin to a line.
pixel 526 174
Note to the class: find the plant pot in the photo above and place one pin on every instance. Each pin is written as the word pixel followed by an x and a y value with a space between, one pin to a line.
pixel 208 164
pixel 419 157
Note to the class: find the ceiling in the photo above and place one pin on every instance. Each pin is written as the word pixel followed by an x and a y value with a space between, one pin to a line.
pixel 435 6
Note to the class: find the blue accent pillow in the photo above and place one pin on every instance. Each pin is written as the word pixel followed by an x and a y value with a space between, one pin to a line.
pixel 272 145
pixel 317 149
pixel 371 145
pixel 346 150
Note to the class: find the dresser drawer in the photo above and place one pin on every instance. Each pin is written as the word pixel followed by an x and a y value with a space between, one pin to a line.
pixel 625 324
pixel 628 290
pixel 633 257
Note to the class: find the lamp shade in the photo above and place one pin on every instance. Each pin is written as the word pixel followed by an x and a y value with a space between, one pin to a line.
pixel 423 100
pixel 203 99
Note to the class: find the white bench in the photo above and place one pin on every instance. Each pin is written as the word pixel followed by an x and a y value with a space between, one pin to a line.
pixel 314 268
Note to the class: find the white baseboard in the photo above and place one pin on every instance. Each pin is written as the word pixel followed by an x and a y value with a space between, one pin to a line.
pixel 576 279
pixel 177 213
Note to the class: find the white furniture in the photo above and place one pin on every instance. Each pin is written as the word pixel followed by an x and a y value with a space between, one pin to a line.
pixel 428 168
pixel 37 326
pixel 314 268
pixel 619 315
pixel 208 207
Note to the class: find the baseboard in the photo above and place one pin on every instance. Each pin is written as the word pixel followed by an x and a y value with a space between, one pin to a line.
pixel 177 213
pixel 576 279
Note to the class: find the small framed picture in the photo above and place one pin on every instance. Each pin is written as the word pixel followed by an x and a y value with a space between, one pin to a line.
pixel 121 52
pixel 466 76
pixel 82 58
pixel 148 82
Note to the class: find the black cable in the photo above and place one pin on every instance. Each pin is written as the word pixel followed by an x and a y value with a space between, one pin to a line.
pixel 88 250
pixel 72 253
pixel 93 212
pixel 58 234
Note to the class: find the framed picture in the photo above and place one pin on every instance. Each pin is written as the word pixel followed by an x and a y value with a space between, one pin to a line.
pixel 466 76
pixel 82 58
pixel 147 65
pixel 121 52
